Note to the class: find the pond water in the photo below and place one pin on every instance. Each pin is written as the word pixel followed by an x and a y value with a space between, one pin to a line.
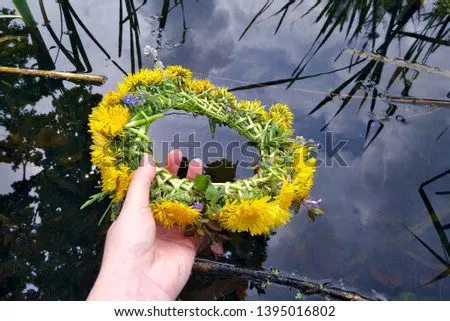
pixel 383 132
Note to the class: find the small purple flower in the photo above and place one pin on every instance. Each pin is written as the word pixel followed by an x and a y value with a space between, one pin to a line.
pixel 198 206
pixel 227 108
pixel 130 100
pixel 310 203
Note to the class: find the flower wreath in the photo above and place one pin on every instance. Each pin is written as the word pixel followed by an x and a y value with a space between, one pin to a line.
pixel 284 175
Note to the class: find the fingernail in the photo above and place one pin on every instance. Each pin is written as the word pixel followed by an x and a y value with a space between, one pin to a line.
pixel 177 157
pixel 147 160
pixel 196 162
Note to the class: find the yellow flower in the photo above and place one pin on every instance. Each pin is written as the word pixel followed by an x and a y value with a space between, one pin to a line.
pixel 304 178
pixel 286 196
pixel 122 183
pixel 178 73
pixel 144 77
pixel 170 213
pixel 282 115
pixel 109 120
pixel 301 155
pixel 113 98
pixel 199 86
pixel 101 153
pixel 257 216
pixel 123 89
pixel 255 107
pixel 222 94
pixel 116 180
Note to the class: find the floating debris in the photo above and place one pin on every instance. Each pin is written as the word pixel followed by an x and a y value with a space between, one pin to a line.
pixel 400 119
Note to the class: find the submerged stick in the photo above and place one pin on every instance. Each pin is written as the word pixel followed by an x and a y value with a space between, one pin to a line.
pixel 92 79
pixel 400 62
pixel 306 287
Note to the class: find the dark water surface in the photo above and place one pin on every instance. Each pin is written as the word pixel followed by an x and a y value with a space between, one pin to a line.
pixel 50 249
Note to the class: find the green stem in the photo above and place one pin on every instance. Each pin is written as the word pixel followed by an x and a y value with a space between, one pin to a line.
pixel 140 122
pixel 42 55
pixel 139 134
pixel 104 214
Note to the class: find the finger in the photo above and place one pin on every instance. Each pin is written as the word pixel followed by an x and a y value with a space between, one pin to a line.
pixel 195 167
pixel 174 161
pixel 138 194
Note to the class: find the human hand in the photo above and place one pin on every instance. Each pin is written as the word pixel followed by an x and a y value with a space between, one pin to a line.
pixel 141 260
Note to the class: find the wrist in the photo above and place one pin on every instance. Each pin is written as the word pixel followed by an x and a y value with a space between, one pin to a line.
pixel 115 285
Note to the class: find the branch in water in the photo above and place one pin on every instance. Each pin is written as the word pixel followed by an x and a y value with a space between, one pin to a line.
pixel 306 287
pixel 92 79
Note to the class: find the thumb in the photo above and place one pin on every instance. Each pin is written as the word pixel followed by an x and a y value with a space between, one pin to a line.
pixel 138 194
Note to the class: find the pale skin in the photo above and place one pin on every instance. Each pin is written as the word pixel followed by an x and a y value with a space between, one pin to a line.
pixel 141 260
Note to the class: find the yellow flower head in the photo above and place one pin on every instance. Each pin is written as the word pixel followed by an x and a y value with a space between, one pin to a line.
pixel 170 213
pixel 113 98
pixel 254 106
pixel 178 73
pixel 304 178
pixel 222 94
pixel 116 180
pixel 122 183
pixel 145 77
pixel 301 154
pixel 287 195
pixel 282 115
pixel 109 120
pixel 101 153
pixel 258 216
pixel 199 86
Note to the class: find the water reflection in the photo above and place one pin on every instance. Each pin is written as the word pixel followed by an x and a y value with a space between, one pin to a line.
pixel 51 250
pixel 362 22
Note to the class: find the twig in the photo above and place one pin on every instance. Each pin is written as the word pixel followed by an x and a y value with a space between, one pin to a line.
pixel 306 287
pixel 93 79
pixel 424 38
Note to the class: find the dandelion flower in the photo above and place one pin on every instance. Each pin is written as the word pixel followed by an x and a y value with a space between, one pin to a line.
pixel 145 77
pixel 178 73
pixel 113 98
pixel 282 115
pixel 304 178
pixel 199 86
pixel 255 216
pixel 122 182
pixel 170 213
pixel 301 155
pixel 286 196
pixel 254 106
pixel 101 153
pixel 109 120
pixel 221 94
pixel 116 180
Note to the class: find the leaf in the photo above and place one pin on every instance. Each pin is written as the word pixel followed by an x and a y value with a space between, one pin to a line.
pixel 214 225
pixel 202 182
pixel 314 212
pixel 212 127
pixel 212 192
